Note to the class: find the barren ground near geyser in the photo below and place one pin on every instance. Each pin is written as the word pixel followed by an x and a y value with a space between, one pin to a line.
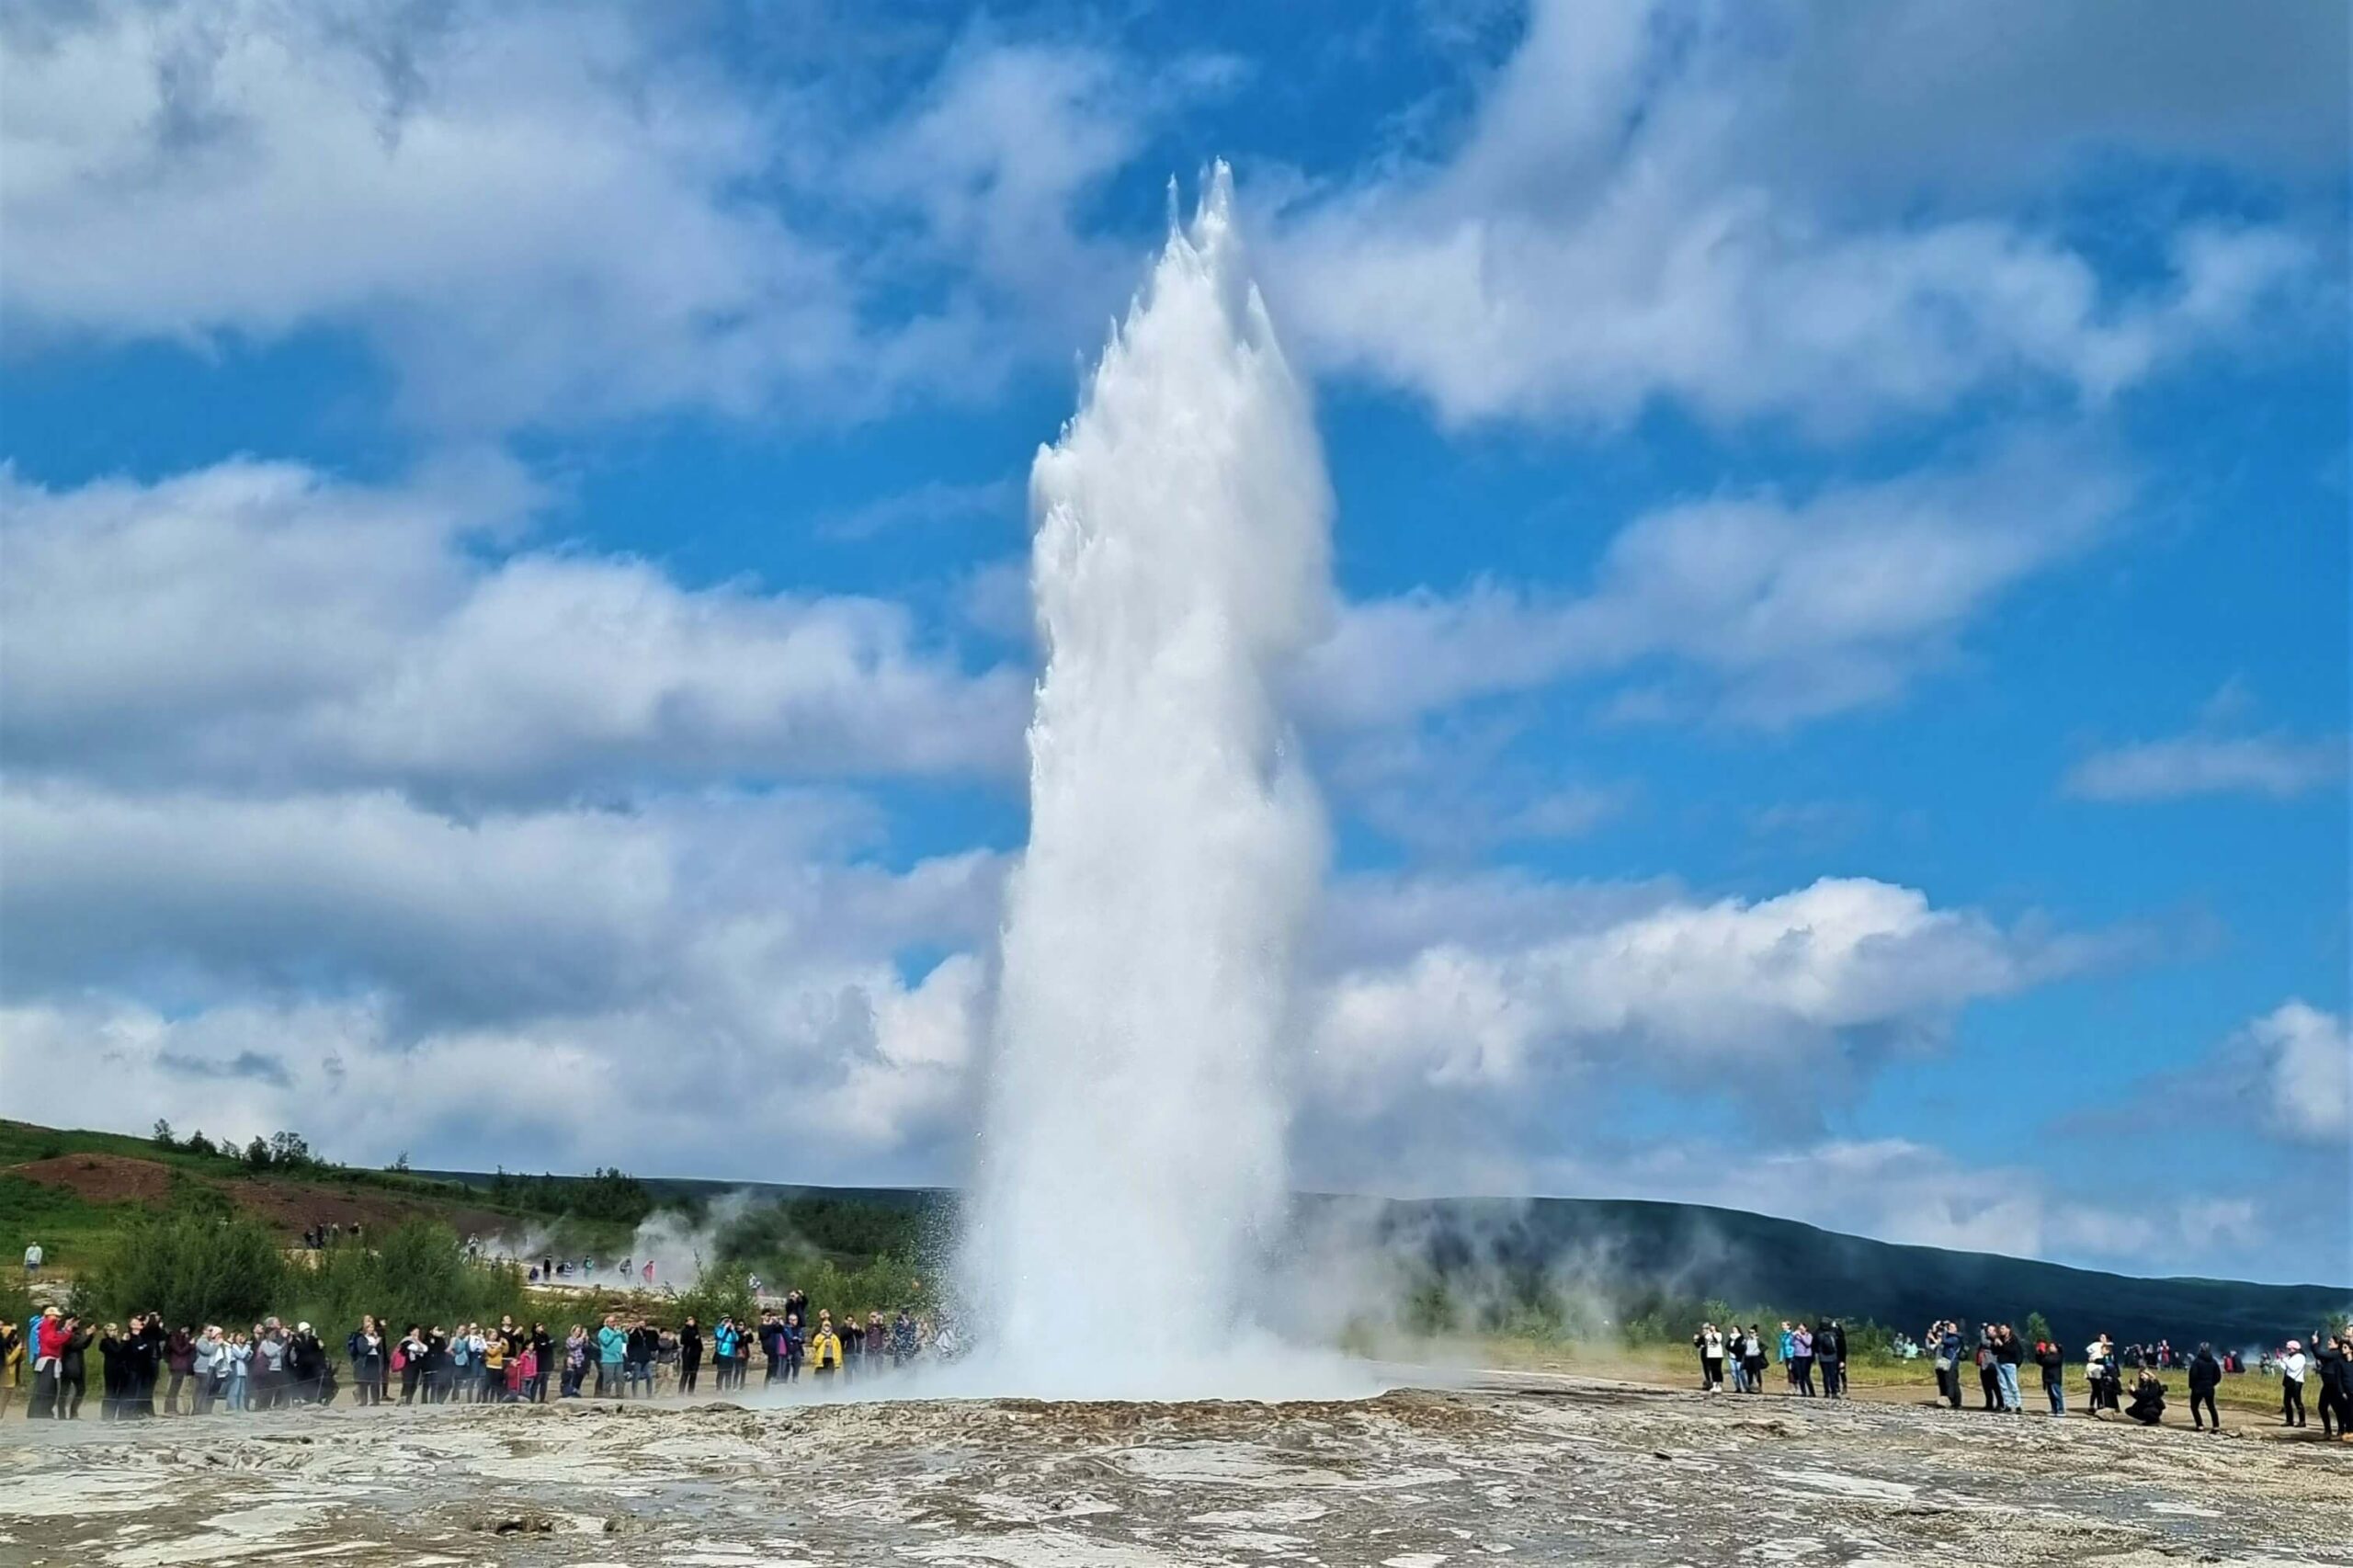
pixel 1537 1472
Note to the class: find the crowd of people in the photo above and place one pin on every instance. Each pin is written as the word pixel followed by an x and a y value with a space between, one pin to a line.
pixel 146 1370
pixel 2125 1380
pixel 1806 1352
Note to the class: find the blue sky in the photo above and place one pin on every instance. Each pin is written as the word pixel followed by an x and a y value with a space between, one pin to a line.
pixel 517 645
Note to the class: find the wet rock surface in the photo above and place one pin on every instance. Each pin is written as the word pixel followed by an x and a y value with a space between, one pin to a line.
pixel 1414 1478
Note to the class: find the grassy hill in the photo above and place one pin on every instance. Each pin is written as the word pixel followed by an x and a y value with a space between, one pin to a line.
pixel 1485 1260
pixel 1687 1253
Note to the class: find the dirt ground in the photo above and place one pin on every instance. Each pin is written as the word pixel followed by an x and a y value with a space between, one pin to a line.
pixel 101 1179
pixel 1530 1469
pixel 289 1206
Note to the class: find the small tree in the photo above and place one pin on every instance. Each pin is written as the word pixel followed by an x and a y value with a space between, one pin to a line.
pixel 400 1165
pixel 258 1154
pixel 162 1138
pixel 198 1143
pixel 2038 1329
pixel 193 1270
pixel 290 1150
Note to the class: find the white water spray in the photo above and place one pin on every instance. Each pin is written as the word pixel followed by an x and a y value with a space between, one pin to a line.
pixel 1132 1171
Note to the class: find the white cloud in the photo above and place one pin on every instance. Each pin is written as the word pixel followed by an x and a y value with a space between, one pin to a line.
pixel 543 216
pixel 2304 1061
pixel 262 624
pixel 1910 1193
pixel 1766 610
pixel 2277 766
pixel 535 212
pixel 1768 1002
pixel 1696 204
pixel 718 973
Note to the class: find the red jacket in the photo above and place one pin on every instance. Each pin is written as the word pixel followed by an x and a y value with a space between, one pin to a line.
pixel 53 1337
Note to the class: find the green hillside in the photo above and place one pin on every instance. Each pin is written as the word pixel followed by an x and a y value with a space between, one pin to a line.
pixel 1552 1264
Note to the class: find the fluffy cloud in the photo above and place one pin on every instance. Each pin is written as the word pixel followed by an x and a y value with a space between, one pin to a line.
pixel 542 216
pixel 241 964
pixel 260 624
pixel 1737 210
pixel 2277 765
pixel 537 212
pixel 1777 1000
pixel 1765 610
pixel 2302 1059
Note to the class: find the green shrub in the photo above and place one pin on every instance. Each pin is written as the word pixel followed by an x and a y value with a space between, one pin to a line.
pixel 192 1269
pixel 418 1274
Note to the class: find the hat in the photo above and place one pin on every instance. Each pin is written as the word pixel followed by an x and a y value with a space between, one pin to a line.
pixel 2295 1344
pixel 301 1328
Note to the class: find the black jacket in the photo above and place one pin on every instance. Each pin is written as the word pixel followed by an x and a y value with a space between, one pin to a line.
pixel 2205 1374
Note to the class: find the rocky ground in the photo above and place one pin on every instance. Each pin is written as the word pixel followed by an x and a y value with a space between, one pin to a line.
pixel 1533 1470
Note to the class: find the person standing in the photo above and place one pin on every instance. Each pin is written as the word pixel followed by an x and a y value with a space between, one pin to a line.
pixel 410 1355
pixel 241 1372
pixel 824 1346
pixel 270 1366
pixel 1710 1343
pixel 1830 1358
pixel 2053 1363
pixel 1802 1360
pixel 2292 1385
pixel 1948 1357
pixel 492 1355
pixel 853 1335
pixel 203 1366
pixel 2328 1377
pixel 612 1349
pixel 2205 1377
pixel 2008 1353
pixel 689 1354
pixel 306 1367
pixel 576 1349
pixel 365 1350
pixel 179 1365
pixel 50 1332
pixel 113 1353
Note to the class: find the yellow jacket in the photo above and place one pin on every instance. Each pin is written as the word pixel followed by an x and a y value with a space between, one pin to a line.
pixel 824 1349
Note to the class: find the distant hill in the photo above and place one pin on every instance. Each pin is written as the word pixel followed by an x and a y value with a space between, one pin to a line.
pixel 1628 1247
pixel 1690 1251
pixel 70 1188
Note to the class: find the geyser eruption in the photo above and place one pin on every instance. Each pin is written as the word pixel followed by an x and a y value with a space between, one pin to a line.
pixel 1132 1169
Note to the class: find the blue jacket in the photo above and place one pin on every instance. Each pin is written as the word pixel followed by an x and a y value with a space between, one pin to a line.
pixel 611 1343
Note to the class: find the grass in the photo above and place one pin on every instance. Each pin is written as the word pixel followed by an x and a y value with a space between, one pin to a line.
pixel 73 1232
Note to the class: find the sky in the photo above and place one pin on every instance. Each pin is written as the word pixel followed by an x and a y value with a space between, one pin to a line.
pixel 515 639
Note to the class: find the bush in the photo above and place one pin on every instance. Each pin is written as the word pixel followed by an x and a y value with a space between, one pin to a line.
pixel 192 1269
pixel 717 1295
pixel 418 1274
